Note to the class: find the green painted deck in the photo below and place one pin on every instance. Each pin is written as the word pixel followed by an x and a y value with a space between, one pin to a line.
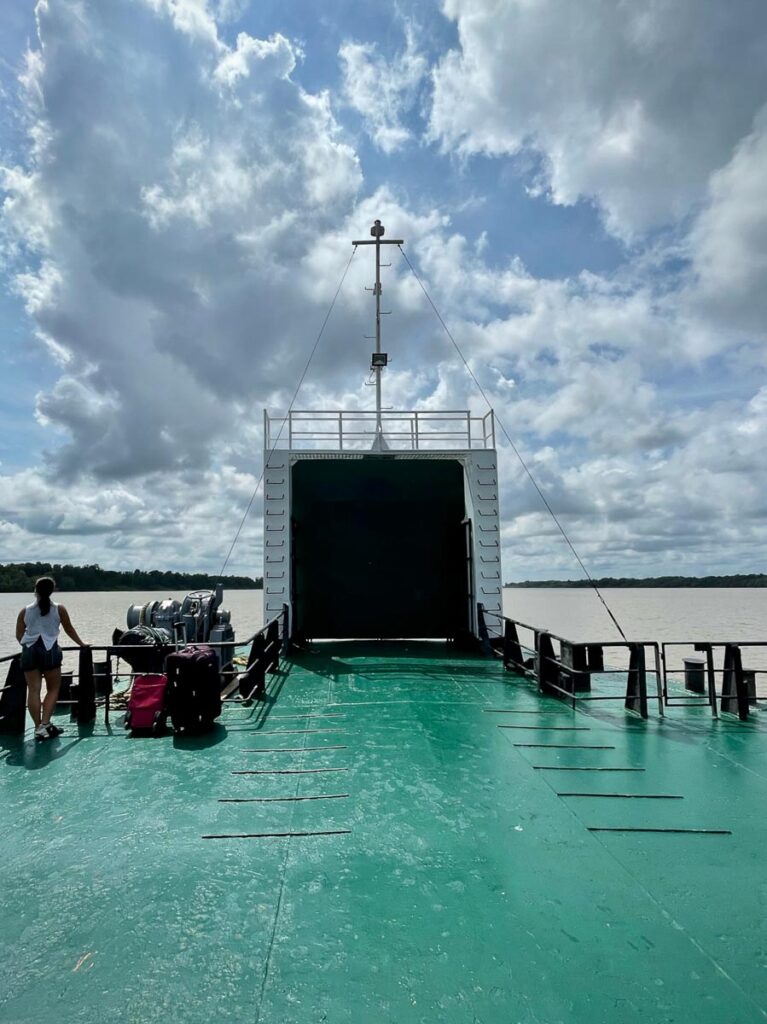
pixel 467 888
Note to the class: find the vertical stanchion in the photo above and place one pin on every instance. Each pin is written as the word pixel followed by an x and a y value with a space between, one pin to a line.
pixel 658 684
pixel 13 700
pixel 710 677
pixel 285 629
pixel 484 637
pixel 548 673
pixel 253 679
pixel 734 689
pixel 85 710
pixel 273 646
pixel 636 684
pixel 512 650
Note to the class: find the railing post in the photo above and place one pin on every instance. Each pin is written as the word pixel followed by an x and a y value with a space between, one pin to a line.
pixel 13 700
pixel 252 682
pixel 273 645
pixel 484 638
pixel 548 673
pixel 256 648
pixel 658 685
pixel 85 709
pixel 285 629
pixel 575 657
pixel 734 689
pixel 512 650
pixel 711 678
pixel 636 684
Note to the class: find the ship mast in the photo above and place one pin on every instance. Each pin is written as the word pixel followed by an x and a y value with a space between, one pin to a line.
pixel 379 359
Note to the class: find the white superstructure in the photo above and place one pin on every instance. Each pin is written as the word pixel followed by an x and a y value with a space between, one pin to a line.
pixel 420 437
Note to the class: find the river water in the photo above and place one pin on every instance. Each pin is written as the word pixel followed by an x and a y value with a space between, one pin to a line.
pixel 645 614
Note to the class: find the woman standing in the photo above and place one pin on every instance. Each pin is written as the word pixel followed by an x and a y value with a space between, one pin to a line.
pixel 37 630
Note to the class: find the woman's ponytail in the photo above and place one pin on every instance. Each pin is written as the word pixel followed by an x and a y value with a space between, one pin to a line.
pixel 43 589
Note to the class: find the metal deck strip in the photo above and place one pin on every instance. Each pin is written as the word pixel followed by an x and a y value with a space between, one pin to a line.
pixel 628 796
pixel 295 732
pixel 567 746
pixel 279 835
pixel 566 768
pixel 560 728
pixel 280 718
pixel 509 711
pixel 672 831
pixel 279 799
pixel 290 771
pixel 289 750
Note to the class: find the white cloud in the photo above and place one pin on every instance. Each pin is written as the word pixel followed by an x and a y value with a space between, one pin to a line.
pixel 139 227
pixel 178 230
pixel 230 10
pixel 630 105
pixel 133 524
pixel 728 242
pixel 276 56
pixel 192 17
pixel 383 91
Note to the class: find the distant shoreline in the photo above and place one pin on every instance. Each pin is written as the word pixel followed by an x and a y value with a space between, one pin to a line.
pixel 752 580
pixel 19 577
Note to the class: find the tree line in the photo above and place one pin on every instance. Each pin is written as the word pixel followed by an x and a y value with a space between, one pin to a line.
pixel 18 577
pixel 747 580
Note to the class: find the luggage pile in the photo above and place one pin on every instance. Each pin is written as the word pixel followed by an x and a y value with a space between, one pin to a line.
pixel 188 692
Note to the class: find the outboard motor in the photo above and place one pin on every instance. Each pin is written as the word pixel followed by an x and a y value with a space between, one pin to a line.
pixel 198 619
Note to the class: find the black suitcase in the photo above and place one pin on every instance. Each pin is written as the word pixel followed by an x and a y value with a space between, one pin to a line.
pixel 193 696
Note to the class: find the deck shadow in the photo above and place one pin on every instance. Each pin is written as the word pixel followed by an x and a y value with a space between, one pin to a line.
pixel 34 756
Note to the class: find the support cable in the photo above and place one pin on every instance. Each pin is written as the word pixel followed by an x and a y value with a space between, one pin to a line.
pixel 516 451
pixel 290 408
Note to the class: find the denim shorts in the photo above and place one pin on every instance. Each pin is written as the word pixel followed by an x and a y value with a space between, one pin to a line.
pixel 36 657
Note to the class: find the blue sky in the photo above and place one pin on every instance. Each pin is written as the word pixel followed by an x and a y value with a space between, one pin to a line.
pixel 581 186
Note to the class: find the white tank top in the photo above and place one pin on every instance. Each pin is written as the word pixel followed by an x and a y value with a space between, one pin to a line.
pixel 45 626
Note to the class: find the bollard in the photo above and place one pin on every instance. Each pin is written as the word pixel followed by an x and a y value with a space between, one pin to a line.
pixel 695 675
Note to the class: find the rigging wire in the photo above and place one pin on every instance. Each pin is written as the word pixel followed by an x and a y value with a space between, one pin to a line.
pixel 516 451
pixel 287 414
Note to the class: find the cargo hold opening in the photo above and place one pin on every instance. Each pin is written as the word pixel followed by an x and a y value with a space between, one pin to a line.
pixel 379 548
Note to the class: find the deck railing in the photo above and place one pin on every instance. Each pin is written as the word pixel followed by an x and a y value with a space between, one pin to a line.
pixel 355 430
pixel 564 668
pixel 95 688
pixel 739 686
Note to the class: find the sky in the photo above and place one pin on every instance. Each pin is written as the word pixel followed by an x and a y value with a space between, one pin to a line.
pixel 581 187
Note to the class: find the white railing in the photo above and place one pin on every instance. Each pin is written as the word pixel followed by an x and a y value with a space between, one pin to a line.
pixel 355 430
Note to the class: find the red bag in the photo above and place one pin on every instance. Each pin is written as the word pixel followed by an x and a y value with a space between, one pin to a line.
pixel 146 706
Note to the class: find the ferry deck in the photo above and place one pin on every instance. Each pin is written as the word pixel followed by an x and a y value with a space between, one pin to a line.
pixel 399 832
